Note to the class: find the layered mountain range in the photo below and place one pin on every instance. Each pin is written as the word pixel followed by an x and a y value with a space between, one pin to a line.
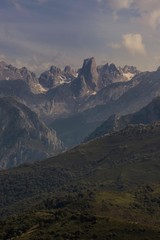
pixel 148 114
pixel 107 188
pixel 118 98
pixel 75 102
pixel 57 93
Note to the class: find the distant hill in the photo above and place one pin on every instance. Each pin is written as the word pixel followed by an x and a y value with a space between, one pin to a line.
pixel 146 115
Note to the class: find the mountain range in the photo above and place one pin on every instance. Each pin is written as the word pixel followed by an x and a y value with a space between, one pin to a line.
pixel 57 92
pixel 75 102
pixel 107 187
pixel 118 98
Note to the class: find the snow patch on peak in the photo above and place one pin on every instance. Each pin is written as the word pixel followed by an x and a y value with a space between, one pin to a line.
pixel 128 76
pixel 39 89
pixel 94 93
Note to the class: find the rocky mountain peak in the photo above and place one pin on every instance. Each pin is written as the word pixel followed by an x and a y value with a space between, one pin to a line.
pixel 131 69
pixel 89 72
pixel 28 75
pixel 55 77
pixel 112 68
pixel 55 70
pixel 128 72
pixel 67 69
pixel 9 72
pixel 2 64
pixel 108 74
pixel 69 73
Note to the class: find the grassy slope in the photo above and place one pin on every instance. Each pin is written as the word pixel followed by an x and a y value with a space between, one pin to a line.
pixel 90 215
pixel 106 189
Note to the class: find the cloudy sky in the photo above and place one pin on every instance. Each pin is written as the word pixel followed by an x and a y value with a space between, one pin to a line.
pixel 40 33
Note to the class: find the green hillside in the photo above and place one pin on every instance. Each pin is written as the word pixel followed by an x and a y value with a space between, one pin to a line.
pixel 106 189
pixel 90 215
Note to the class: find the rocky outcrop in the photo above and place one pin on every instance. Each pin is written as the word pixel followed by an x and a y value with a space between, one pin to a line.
pixel 51 78
pixel 108 74
pixel 87 81
pixel 55 77
pixel 23 137
pixel 10 73
pixel 89 73
pixel 69 73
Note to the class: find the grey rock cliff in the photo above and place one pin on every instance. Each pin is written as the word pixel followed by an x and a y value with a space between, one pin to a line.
pixel 55 77
pixel 10 73
pixel 23 137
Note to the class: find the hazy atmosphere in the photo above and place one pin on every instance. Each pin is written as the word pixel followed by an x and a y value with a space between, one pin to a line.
pixel 40 33
pixel 80 120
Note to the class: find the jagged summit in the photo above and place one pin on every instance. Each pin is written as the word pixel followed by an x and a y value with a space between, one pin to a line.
pixel 89 72
pixel 131 69
pixel 55 70
pixel 3 64
pixel 108 74
pixel 10 73
pixel 69 73
pixel 128 72
pixel 112 68
pixel 67 69
pixel 55 77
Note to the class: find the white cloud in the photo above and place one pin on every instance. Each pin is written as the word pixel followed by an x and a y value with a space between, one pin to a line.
pixel 147 12
pixel 155 19
pixel 134 43
pixel 146 5
pixel 120 4
pixel 141 5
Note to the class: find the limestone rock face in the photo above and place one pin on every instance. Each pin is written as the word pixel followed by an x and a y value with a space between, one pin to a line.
pixel 55 77
pixel 23 137
pixel 9 73
pixel 89 72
